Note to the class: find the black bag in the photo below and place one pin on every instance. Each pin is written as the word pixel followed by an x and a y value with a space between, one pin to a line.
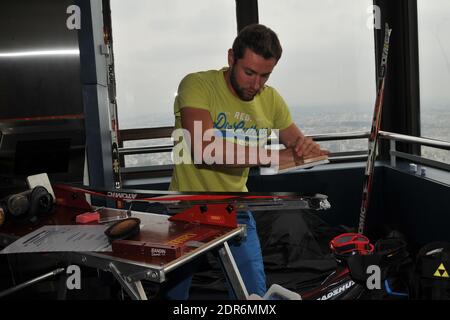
pixel 431 277
pixel 392 257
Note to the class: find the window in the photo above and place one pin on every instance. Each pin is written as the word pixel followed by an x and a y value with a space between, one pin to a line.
pixel 434 55
pixel 326 74
pixel 156 43
pixel 327 71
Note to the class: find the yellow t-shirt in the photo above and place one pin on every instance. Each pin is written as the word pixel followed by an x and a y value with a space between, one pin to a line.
pixel 208 90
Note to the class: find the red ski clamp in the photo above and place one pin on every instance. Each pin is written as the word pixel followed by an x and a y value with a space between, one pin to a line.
pixel 351 243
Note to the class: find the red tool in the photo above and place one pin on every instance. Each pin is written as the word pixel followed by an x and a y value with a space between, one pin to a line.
pixel 88 217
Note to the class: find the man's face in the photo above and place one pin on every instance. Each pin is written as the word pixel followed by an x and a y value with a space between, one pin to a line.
pixel 249 74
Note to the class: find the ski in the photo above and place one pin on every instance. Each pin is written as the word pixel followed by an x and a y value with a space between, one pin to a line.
pixel 111 81
pixel 73 195
pixel 373 138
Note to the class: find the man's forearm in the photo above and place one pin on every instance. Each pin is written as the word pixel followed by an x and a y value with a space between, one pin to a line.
pixel 213 150
pixel 222 153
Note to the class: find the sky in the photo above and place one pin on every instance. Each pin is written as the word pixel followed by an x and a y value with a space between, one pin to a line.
pixel 327 61
pixel 434 53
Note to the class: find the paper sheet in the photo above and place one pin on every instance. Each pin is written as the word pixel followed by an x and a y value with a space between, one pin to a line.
pixel 308 163
pixel 78 238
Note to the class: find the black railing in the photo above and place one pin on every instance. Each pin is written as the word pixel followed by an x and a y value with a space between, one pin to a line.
pixel 159 170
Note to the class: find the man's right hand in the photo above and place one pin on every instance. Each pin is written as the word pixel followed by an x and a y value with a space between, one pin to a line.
pixel 305 147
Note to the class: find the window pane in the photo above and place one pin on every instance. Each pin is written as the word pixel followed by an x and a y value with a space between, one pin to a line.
pixel 156 43
pixel 434 55
pixel 327 71
pixel 148 159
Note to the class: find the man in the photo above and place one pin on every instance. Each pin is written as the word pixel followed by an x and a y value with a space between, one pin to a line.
pixel 239 108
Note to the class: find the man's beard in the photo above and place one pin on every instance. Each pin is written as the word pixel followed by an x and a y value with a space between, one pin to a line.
pixel 239 90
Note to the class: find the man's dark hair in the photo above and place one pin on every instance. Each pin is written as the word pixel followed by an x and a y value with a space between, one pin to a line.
pixel 258 38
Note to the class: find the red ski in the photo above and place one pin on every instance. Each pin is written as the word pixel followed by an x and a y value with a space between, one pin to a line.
pixel 373 138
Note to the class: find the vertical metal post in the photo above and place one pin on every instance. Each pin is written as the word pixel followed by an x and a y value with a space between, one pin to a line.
pixel 232 273
pixel 246 13
pixel 392 150
pixel 95 94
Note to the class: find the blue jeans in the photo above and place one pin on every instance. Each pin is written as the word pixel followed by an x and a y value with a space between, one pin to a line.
pixel 247 255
